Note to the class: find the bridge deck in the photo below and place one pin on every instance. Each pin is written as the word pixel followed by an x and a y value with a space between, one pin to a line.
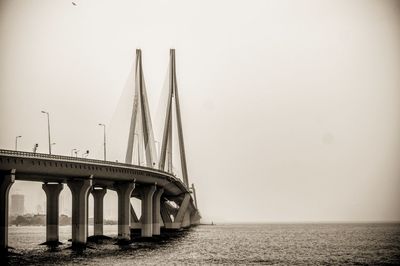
pixel 57 168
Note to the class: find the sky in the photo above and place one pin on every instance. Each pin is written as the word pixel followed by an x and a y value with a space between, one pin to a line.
pixel 290 109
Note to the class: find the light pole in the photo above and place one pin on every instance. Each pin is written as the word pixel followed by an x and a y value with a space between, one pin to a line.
pixel 48 128
pixel 72 152
pixel 105 147
pixel 16 142
pixel 35 147
pixel 84 155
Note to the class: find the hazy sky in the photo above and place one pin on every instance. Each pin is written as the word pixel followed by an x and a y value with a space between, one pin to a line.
pixel 291 109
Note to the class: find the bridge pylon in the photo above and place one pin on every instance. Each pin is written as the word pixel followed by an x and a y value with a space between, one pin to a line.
pixel 140 125
pixel 165 162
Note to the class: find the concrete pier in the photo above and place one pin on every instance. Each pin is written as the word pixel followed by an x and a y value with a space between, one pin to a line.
pixel 166 215
pixel 156 211
pixel 6 180
pixel 52 212
pixel 179 217
pixel 98 197
pixel 186 219
pixel 124 191
pixel 147 210
pixel 135 222
pixel 80 191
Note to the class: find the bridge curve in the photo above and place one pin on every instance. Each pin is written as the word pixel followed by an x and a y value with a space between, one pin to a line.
pixel 166 201
pixel 42 167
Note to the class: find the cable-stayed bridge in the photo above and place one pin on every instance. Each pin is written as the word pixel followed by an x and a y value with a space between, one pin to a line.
pixel 167 202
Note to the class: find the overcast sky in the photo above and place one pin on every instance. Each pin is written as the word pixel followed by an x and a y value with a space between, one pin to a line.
pixel 291 109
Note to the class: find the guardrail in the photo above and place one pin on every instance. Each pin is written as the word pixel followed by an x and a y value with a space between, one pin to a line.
pixel 85 160
pixel 77 159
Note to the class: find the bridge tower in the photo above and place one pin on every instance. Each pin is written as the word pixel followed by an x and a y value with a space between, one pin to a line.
pixel 165 162
pixel 140 125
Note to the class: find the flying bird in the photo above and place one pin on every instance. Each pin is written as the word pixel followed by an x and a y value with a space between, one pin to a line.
pixel 74 3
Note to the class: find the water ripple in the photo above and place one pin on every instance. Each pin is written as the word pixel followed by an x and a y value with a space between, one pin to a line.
pixel 263 244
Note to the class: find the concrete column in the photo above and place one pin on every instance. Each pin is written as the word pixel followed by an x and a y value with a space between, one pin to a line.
pixel 79 190
pixel 52 212
pixel 194 195
pixel 6 180
pixel 124 191
pixel 147 210
pixel 87 212
pixel 180 215
pixel 156 211
pixel 186 219
pixel 166 215
pixel 135 223
pixel 98 196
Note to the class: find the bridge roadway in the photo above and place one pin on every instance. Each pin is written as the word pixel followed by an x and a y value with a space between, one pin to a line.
pixel 166 201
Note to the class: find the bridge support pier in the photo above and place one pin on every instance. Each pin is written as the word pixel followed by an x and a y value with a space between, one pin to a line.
pixel 135 223
pixel 6 180
pixel 52 212
pixel 156 211
pixel 166 215
pixel 186 219
pixel 147 211
pixel 182 217
pixel 79 190
pixel 124 191
pixel 98 197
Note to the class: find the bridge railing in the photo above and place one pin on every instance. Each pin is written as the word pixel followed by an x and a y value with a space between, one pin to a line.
pixel 85 160
pixel 77 159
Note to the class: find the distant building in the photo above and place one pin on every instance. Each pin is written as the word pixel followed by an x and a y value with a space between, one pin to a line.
pixel 17 204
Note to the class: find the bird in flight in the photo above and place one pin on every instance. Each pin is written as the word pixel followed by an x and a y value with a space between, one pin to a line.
pixel 74 3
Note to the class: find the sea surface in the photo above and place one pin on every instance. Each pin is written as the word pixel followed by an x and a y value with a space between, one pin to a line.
pixel 229 244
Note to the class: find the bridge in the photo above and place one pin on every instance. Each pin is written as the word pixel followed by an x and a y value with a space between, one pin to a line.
pixel 167 202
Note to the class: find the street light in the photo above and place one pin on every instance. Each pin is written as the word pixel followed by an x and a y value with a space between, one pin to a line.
pixel 35 147
pixel 72 152
pixel 105 147
pixel 48 128
pixel 16 142
pixel 84 155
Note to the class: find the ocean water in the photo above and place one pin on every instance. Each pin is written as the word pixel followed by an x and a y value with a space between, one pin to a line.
pixel 231 244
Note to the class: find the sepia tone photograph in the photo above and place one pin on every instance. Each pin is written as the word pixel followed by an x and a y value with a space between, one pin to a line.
pixel 214 132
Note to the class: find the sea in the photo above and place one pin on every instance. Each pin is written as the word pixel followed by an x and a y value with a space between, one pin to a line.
pixel 225 244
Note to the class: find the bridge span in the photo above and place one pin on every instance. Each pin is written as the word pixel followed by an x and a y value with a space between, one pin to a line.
pixel 155 188
pixel 166 201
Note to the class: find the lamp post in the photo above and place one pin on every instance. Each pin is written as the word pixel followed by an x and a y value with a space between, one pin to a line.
pixel 48 128
pixel 16 142
pixel 35 147
pixel 72 152
pixel 84 155
pixel 105 147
